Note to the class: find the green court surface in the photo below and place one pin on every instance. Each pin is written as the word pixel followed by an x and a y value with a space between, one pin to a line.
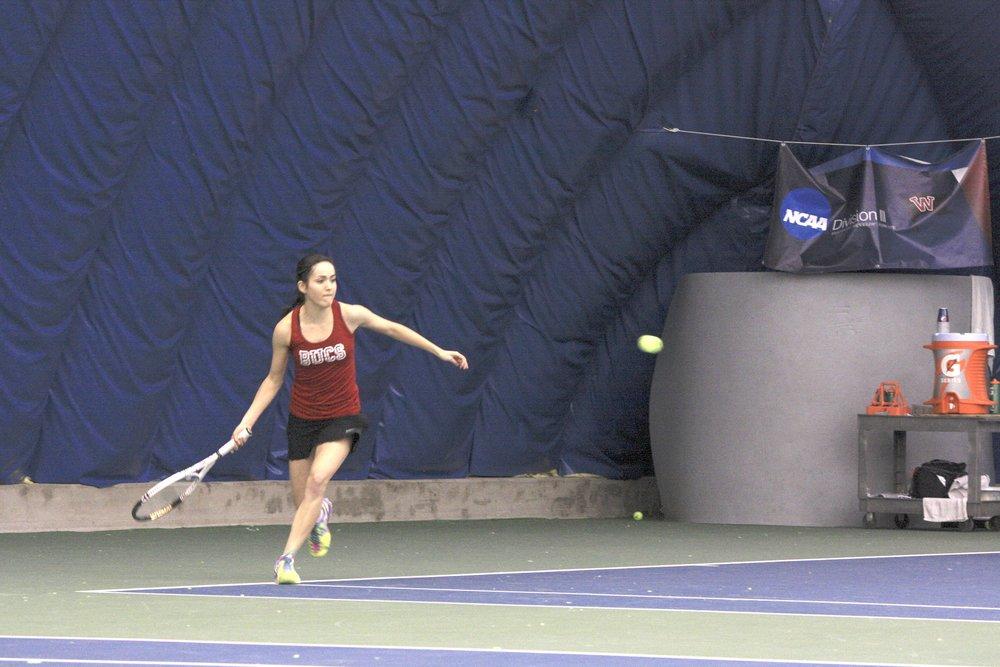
pixel 48 579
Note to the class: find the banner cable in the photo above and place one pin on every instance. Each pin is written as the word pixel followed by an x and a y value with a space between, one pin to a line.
pixel 677 130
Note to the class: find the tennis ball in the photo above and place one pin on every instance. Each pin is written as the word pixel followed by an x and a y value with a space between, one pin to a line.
pixel 637 516
pixel 650 344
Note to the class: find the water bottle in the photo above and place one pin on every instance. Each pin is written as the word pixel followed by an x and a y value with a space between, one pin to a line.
pixel 943 324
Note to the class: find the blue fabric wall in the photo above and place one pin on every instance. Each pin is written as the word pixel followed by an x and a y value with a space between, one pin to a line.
pixel 478 170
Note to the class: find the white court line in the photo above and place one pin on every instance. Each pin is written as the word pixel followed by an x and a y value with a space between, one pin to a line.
pixel 242 596
pixel 657 597
pixel 430 648
pixel 572 569
pixel 87 661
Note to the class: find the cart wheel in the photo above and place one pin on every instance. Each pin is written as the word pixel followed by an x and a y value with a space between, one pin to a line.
pixel 967 526
pixel 993 523
pixel 901 520
pixel 869 520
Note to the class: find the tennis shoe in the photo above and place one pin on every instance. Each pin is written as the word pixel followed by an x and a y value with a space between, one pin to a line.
pixel 284 570
pixel 319 536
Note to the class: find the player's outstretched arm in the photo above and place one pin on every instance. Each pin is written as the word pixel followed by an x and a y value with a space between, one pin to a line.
pixel 269 387
pixel 359 316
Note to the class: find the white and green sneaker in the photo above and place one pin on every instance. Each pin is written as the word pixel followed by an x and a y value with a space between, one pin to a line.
pixel 319 536
pixel 284 570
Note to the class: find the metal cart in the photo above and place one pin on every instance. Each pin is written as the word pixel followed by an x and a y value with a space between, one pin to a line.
pixel 979 429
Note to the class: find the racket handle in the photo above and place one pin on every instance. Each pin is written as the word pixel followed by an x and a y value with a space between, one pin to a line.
pixel 229 446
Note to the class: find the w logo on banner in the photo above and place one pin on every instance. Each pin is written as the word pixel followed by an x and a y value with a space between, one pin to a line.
pixel 923 204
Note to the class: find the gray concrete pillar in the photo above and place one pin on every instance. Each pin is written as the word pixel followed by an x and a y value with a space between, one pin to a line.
pixel 755 394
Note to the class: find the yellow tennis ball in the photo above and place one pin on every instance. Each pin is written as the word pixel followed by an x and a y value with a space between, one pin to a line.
pixel 650 344
pixel 637 516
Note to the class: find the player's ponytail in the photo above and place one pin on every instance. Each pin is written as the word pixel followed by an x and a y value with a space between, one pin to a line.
pixel 302 271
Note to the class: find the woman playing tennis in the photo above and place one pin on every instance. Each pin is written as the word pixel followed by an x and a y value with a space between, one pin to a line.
pixel 324 420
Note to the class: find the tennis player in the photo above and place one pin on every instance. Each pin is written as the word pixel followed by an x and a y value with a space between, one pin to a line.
pixel 325 419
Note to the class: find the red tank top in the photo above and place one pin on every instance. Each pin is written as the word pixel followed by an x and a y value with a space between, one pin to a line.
pixel 325 384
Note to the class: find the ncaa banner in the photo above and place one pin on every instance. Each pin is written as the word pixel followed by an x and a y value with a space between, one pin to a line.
pixel 870 209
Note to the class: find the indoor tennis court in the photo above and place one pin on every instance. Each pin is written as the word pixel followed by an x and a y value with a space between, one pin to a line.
pixel 499 332
pixel 506 592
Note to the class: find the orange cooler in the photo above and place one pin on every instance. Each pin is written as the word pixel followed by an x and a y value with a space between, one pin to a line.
pixel 960 373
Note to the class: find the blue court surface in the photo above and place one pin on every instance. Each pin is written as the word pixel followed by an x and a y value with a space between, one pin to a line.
pixel 954 587
pixel 106 651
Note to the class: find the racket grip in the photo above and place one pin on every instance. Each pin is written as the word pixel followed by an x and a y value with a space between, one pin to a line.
pixel 231 445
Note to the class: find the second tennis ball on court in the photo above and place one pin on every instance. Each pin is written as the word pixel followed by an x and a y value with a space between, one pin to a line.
pixel 650 344
pixel 637 516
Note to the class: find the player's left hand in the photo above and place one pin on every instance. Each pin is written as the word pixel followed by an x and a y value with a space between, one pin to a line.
pixel 453 357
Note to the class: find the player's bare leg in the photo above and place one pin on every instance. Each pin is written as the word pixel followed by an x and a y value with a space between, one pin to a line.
pixel 319 536
pixel 298 473
pixel 327 459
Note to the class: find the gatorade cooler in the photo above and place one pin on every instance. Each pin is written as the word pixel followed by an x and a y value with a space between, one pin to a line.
pixel 960 373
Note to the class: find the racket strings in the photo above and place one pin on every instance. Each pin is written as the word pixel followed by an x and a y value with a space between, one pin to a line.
pixel 165 499
pixel 169 493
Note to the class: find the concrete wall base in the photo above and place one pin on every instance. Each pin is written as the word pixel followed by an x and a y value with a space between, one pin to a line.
pixel 72 507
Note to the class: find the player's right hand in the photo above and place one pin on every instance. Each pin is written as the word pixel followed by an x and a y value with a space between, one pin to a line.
pixel 240 435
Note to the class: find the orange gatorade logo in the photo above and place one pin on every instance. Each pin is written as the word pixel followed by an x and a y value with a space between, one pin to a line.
pixel 951 365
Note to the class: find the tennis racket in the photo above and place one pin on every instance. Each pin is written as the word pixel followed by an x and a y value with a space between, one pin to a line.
pixel 172 491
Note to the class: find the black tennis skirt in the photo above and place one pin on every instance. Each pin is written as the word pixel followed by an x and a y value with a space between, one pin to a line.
pixel 305 434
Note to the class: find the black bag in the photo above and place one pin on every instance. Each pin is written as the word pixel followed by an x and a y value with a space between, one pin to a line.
pixel 933 479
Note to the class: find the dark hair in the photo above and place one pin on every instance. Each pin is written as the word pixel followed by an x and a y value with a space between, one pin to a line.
pixel 302 271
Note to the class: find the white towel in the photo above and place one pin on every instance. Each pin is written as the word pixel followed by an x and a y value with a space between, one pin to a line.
pixel 982 306
pixel 945 509
pixel 961 483
pixel 954 507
